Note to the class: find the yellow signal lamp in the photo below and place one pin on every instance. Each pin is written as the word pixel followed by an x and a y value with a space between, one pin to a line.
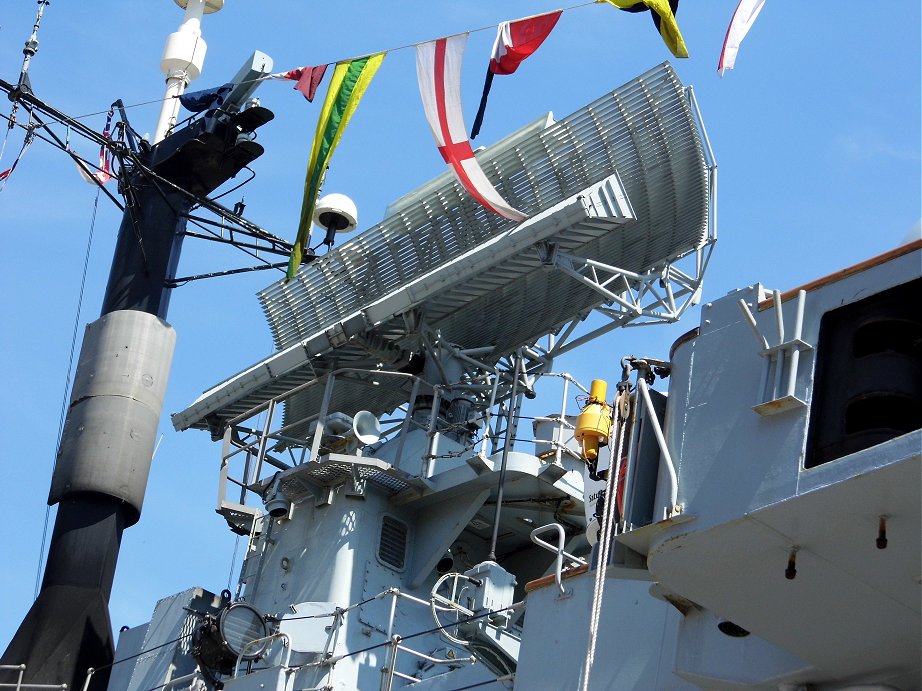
pixel 593 424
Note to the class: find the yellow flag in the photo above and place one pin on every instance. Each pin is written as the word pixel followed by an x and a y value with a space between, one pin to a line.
pixel 350 79
pixel 663 18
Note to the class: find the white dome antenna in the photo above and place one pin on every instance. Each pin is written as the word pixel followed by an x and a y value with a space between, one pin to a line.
pixel 336 213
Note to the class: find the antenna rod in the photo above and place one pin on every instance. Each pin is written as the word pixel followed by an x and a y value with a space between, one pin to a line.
pixel 30 49
pixel 506 442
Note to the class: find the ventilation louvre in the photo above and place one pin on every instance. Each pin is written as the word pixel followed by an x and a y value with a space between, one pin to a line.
pixel 392 547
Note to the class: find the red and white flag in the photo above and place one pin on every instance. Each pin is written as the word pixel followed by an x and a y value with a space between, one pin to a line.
pixel 307 78
pixel 743 19
pixel 514 42
pixel 438 69
pixel 103 173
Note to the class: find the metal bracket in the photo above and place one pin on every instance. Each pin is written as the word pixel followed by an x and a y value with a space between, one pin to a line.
pixel 781 364
pixel 356 484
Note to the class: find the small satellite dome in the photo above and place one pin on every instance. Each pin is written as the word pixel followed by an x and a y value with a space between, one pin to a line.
pixel 336 212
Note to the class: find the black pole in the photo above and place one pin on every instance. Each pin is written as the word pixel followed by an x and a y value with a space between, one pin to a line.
pixel 106 448
pixel 147 249
pixel 67 630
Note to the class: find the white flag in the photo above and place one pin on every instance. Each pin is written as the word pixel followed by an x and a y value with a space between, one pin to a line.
pixel 743 19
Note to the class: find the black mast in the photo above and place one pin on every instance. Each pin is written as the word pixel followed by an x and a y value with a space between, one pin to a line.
pixel 107 443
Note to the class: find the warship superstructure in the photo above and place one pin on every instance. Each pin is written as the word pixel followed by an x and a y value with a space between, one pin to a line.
pixel 398 536
pixel 740 512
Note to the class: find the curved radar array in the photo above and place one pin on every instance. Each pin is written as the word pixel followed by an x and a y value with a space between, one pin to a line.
pixel 620 197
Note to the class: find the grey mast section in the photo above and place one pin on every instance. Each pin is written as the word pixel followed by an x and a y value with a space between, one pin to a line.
pixel 115 406
pixel 622 185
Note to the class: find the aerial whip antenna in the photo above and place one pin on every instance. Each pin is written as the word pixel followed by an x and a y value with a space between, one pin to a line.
pixel 22 86
pixel 30 49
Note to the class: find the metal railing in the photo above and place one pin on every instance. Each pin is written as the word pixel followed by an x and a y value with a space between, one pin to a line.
pixel 557 549
pixel 19 685
pixel 254 445
pixel 328 657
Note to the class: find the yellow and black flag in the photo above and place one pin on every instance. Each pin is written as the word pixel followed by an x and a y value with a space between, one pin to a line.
pixel 663 12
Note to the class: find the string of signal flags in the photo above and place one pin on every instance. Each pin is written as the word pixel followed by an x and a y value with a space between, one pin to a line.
pixel 438 68
pixel 438 71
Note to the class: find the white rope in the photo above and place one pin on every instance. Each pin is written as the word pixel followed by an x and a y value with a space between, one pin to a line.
pixel 606 533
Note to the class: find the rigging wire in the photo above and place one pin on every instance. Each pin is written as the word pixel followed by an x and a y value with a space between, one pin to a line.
pixel 26 142
pixel 156 179
pixel 230 573
pixel 12 122
pixel 67 382
pixel 237 186
pixel 55 141
pixel 333 62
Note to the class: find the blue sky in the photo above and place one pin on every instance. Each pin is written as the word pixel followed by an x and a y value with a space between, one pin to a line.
pixel 816 132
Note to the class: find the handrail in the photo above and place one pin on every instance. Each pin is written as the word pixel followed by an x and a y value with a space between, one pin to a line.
pixel 169 683
pixel 19 686
pixel 663 447
pixel 393 641
pixel 558 550
pixel 391 671
pixel 266 639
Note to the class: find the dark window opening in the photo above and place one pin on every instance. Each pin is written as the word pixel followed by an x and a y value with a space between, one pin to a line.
pixel 868 379
pixel 882 413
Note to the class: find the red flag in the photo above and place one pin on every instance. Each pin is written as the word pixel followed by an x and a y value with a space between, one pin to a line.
pixel 515 41
pixel 309 79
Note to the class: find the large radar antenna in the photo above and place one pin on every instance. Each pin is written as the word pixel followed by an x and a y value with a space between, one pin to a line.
pixel 620 197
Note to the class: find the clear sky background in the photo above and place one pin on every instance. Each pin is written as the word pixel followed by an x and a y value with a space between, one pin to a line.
pixel 816 132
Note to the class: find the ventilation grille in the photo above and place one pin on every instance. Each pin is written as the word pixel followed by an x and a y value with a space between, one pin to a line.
pixel 392 548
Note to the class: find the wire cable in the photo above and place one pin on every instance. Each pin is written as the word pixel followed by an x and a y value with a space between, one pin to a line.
pixel 64 406
pixel 278 75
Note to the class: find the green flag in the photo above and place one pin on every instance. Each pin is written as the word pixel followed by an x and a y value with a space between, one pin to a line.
pixel 350 79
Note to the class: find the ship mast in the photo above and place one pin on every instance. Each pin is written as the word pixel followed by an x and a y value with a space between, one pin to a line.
pixel 107 445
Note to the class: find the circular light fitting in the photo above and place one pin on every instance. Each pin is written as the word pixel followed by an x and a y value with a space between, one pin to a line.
pixel 241 624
